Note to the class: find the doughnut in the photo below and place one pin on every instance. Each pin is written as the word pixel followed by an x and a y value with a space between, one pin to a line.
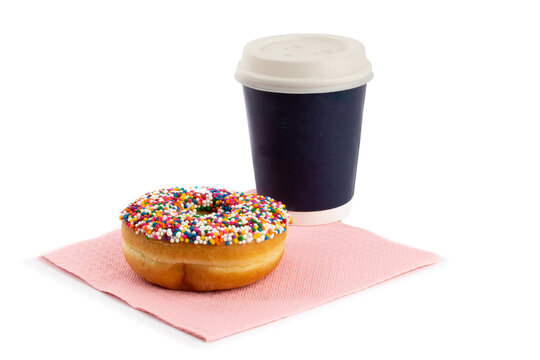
pixel 202 238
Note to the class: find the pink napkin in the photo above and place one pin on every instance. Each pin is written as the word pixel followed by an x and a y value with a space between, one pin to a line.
pixel 320 264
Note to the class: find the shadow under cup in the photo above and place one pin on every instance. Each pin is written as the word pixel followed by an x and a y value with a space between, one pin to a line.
pixel 305 146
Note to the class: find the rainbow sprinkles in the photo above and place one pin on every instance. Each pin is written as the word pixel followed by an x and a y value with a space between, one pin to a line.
pixel 208 216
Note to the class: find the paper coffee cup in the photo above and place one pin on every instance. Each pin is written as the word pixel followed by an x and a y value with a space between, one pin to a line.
pixel 304 96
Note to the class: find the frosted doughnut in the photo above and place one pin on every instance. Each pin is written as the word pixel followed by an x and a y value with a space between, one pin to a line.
pixel 203 238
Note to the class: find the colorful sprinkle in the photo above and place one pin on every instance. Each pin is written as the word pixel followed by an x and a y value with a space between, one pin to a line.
pixel 208 216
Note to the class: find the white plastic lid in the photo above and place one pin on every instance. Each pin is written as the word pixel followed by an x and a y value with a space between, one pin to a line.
pixel 304 63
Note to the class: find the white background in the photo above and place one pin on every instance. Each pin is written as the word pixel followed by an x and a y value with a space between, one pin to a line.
pixel 101 101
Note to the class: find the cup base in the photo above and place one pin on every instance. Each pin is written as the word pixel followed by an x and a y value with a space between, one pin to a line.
pixel 306 218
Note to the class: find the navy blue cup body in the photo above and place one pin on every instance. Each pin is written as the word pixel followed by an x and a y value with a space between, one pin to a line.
pixel 305 146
